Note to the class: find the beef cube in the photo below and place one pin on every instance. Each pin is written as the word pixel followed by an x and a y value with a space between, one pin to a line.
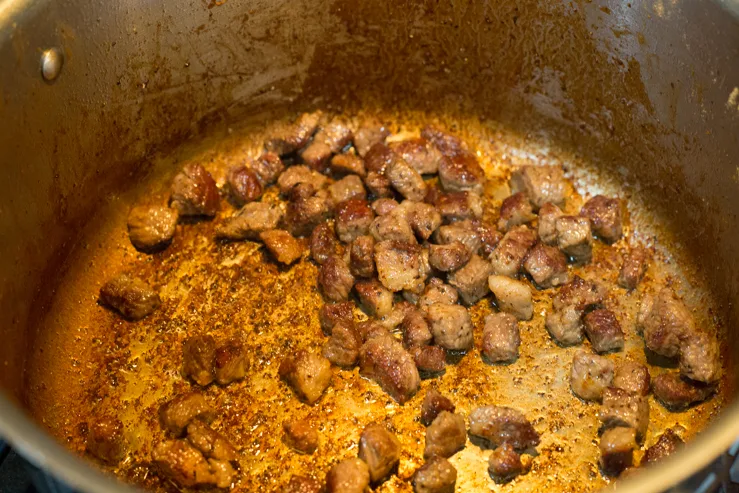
pixel 472 280
pixel 380 450
pixel 461 172
pixel 296 175
pixel 574 238
pixel 378 185
pixel 499 425
pixel 209 442
pixel 231 363
pixel 304 214
pixel 437 475
pixel 288 138
pixel 580 294
pixel 617 450
pixel 423 218
pixel 243 185
pixel 423 156
pixel 400 265
pixel 329 140
pixel 512 296
pixel 508 257
pixel 590 375
pixel 151 228
pixel 624 408
pixel 634 267
pixel 565 325
pixel 348 476
pixel 199 359
pixel 437 291
pixel 349 187
pixel 541 184
pixel 504 464
pixel 300 436
pixel 370 133
pixel 105 440
pixel 384 206
pixel 515 211
pixel 353 219
pixel 666 445
pixel 362 257
pixel 370 329
pixel 384 360
pixel 393 226
pixel 185 465
pixel 374 298
pixel 699 358
pixel 323 243
pixel 350 164
pixel 548 215
pixel 282 245
pixel 415 328
pixel 677 393
pixel 445 436
pixel 500 338
pixel 175 415
pixel 665 322
pixel 632 377
pixel 605 217
pixel 249 221
pixel 303 484
pixel 451 326
pixel 268 167
pixel 447 143
pixel 378 158
pixel 547 266
pixel 433 404
pixel 430 360
pixel 489 238
pixel 604 331
pixel 342 348
pixel 448 258
pixel 194 192
pixel 333 313
pixel 129 296
pixel 466 232
pixel 458 206
pixel 309 374
pixel 335 279
pixel 406 180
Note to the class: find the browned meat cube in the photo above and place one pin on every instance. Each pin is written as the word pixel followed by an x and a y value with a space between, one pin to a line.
pixel 175 415
pixel 445 436
pixel 309 374
pixel 105 440
pixel 423 156
pixel 300 435
pixel 665 446
pixel 335 279
pixel 548 215
pixel 512 296
pixel 187 467
pixel 328 140
pixel 209 442
pixel 304 214
pixel 370 133
pixel 580 294
pixel 194 192
pixel 632 377
pixel 342 348
pixel 433 404
pixel 634 267
pixel 624 408
pixel 447 143
pixel 437 292
pixel 392 226
pixel 362 257
pixel 415 328
pixel 461 172
pixel 489 238
pixel 451 326
pixel 514 211
pixel 349 187
pixel 369 329
pixel 378 158
pixel 129 296
pixel 605 217
pixel 565 325
pixel 384 206
pixel 505 464
pixel 348 476
pixel 499 425
pixel 378 185
pixel 348 164
pixel 282 245
pixel 374 298
pixel 333 313
pixel 466 232
pixel 458 206
pixel 380 450
pixel 508 257
pixel 664 321
pixel 243 185
pixel 249 221
pixel 296 175
pixel 677 393
pixel 541 184
pixel 423 218
pixel 604 331
pixel 400 265
pixel 268 167
pixel 448 258
pixel 323 243
pixel 288 138
pixel 574 238
pixel 590 375
pixel 472 280
pixel 500 338
pixel 617 450
pixel 384 360
pixel 199 359
pixel 406 180
pixel 547 266
pixel 430 360
pixel 437 475
pixel 699 358
pixel 231 363
pixel 303 484
pixel 353 219
pixel 151 227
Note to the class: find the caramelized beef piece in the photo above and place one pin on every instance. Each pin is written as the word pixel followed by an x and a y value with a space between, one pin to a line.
pixel 500 338
pixel 194 192
pixel 378 185
pixel 129 296
pixel 175 415
pixel 437 292
pixel 433 404
pixel 514 211
pixel 380 450
pixel 458 206
pixel 331 314
pixel 384 206
pixel 323 243
pixel 378 158
pixel 605 217
pixel 508 257
pixel 348 476
pixel 505 464
pixel 423 156
pixel 448 258
pixel 499 425
pixel 289 138
pixel 151 227
pixel 249 221
pixel 634 267
pixel 105 440
pixel 541 184
pixel 406 180
pixel 392 226
pixel 624 408
pixel 423 218
pixel 461 172
pixel 305 213
pixel 231 363
pixel 296 175
pixel 362 257
pixel 548 215
pixel 353 219
pixel 472 280
pixel 186 466
pixel 547 266
pixel 348 164
pixel 580 294
pixel 465 232
pixel 370 133
pixel 309 374
pixel 370 329
pixel 282 245
pixel 512 296
pixel 328 140
pixel 632 377
pixel 574 238
pixel 665 446
pixel 447 143
pixel 489 238
pixel 349 187
pixel 209 442
pixel 300 435
pixel 415 328
pixel 437 475
pixel 451 326
pixel 400 265
pixel 374 298
pixel 268 167
pixel 303 484
pixel 617 450
pixel 430 360
pixel 590 375
pixel 565 325
pixel 604 331
pixel 243 185
pixel 335 279
pixel 677 393
pixel 384 360
pixel 445 436
pixel 199 359
pixel 342 348
pixel 699 358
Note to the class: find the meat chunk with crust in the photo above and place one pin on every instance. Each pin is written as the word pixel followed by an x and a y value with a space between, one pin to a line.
pixel 624 408
pixel 199 359
pixel 448 258
pixel 423 156
pixel 305 213
pixel 323 242
pixel 447 143
pixel 437 291
pixel 548 215
pixel 151 227
pixel 632 377
pixel 415 328
pixel 209 442
pixel 296 175
pixel 605 217
pixel 353 219
pixel 433 404
pixel 309 374
pixel 667 444
pixel 288 138
pixel 194 192
pixel 580 294
pixel 458 206
pixel 489 238
pixel 303 484
pixel 105 440
pixel 374 298
pixel 541 184
pixel 574 238
pixel 249 221
pixel 186 466
pixel 378 158
pixel 378 185
pixel 466 232
pixel 677 393
pixel 380 450
pixel 362 257
pixel 547 266
pixel 604 331
pixel 335 279
pixel 445 436
pixel 634 267
pixel 175 415
pixel 331 314
pixel 461 172
pixel 505 464
pixel 349 187
pixel 508 257
pixel 369 134
pixel 129 296
pixel 512 296
pixel 500 338
pixel 498 425
pixel 348 476
pixel 392 226
pixel 699 358
pixel 515 211
pixel 451 326
pixel 406 180
pixel 300 435
pixel 617 447
pixel 348 164
pixel 384 360
pixel 231 363
pixel 328 140
pixel 472 280
pixel 282 245
pixel 342 348
pixel 430 360
pixel 590 375
pixel 437 475
pixel 423 218
pixel 384 206
pixel 243 185
pixel 268 167
pixel 400 265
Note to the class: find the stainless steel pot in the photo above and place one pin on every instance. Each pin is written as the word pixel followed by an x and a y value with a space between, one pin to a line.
pixel 88 91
